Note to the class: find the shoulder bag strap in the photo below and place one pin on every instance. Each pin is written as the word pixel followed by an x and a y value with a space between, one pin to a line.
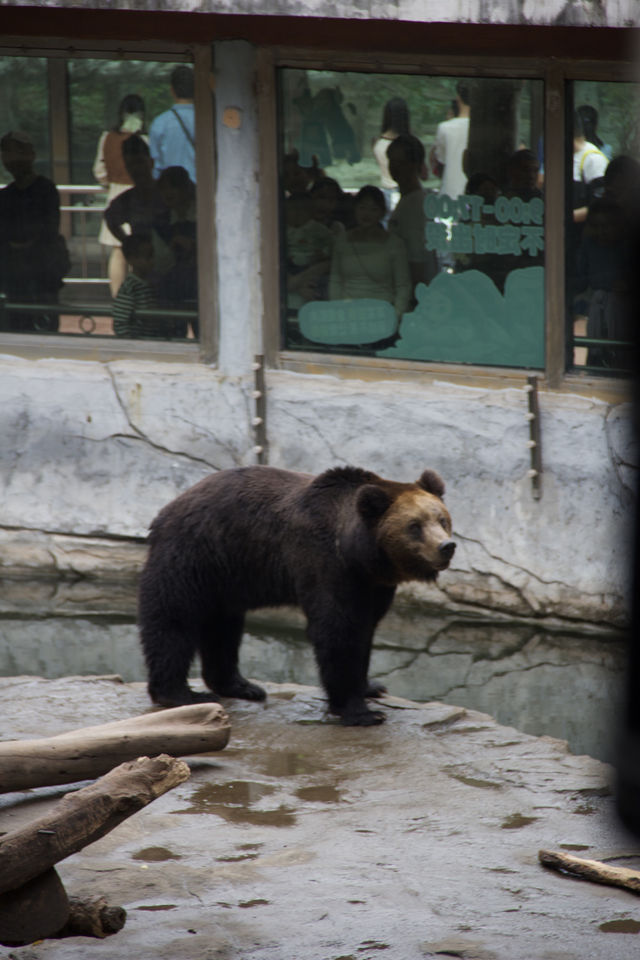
pixel 183 125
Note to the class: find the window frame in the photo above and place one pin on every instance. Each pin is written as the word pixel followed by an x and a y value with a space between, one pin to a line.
pixel 105 349
pixel 555 74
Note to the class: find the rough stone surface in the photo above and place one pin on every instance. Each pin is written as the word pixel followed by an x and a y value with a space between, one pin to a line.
pixel 92 450
pixel 303 838
pixel 578 13
pixel 514 552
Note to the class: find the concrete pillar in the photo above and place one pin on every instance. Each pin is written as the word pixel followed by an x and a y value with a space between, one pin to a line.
pixel 237 207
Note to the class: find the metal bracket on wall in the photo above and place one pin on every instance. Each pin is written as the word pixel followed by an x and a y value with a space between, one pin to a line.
pixel 259 419
pixel 534 443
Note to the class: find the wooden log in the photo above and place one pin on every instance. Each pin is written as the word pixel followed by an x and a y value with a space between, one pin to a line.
pixel 90 752
pixel 37 909
pixel 92 917
pixel 593 870
pixel 84 816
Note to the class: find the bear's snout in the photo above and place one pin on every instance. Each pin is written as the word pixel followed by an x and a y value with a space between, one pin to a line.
pixel 447 549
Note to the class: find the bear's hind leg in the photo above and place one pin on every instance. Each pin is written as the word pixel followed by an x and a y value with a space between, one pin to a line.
pixel 169 654
pixel 219 647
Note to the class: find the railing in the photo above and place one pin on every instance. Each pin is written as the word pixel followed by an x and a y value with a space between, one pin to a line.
pixel 88 311
pixel 67 191
pixel 606 346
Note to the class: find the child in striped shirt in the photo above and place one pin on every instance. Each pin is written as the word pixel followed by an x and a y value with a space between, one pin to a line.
pixel 136 292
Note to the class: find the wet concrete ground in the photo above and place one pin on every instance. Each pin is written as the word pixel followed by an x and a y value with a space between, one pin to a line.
pixel 305 840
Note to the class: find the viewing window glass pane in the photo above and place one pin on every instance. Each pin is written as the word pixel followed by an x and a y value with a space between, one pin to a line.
pixel 413 216
pixel 603 219
pixel 98 198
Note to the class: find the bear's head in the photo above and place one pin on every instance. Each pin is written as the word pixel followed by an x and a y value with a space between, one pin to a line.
pixel 411 525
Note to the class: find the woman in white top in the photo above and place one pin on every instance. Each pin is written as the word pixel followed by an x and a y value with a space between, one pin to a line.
pixel 395 120
pixel 367 261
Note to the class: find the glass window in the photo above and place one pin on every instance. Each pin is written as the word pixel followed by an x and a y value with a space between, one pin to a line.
pixel 98 200
pixel 603 186
pixel 413 216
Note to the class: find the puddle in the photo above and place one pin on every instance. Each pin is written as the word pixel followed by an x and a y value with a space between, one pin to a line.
pixel 241 858
pixel 157 906
pixel 281 763
pixel 155 855
pixel 323 793
pixel 476 782
pixel 620 926
pixel 516 821
pixel 233 801
pixel 515 671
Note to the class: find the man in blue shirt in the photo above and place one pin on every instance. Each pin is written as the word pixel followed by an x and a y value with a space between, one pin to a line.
pixel 172 133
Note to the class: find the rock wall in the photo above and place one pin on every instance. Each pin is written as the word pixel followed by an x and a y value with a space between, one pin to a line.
pixel 89 452
pixel 579 13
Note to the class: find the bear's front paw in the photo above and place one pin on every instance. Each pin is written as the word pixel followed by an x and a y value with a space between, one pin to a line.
pixel 358 714
pixel 375 689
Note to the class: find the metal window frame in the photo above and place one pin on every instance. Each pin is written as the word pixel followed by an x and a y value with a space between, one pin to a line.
pixel 554 73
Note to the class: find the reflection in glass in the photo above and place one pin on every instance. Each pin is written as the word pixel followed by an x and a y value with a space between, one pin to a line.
pixel 603 224
pixel 71 284
pixel 459 164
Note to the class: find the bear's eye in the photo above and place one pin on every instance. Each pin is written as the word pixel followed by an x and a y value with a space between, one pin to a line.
pixel 415 530
pixel 444 524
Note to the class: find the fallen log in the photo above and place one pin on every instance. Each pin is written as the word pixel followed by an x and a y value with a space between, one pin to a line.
pixel 92 917
pixel 84 816
pixel 593 870
pixel 90 752
pixel 34 911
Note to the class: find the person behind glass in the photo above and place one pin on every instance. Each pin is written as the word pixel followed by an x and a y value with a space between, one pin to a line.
pixel 395 121
pixel 621 185
pixel 437 168
pixel 451 143
pixel 308 246
pixel 33 255
pixel 602 277
pixel 408 221
pixel 589 117
pixel 178 286
pixel 179 194
pixel 367 261
pixel 522 175
pixel 589 166
pixel 136 292
pixel 172 133
pixel 329 204
pixel 109 169
pixel 140 209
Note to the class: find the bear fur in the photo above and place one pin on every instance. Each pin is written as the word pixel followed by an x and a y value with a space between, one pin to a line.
pixel 337 545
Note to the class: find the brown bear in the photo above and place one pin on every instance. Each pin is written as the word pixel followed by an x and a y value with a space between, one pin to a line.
pixel 337 545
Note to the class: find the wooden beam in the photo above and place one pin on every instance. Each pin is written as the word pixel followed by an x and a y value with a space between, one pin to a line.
pixel 90 752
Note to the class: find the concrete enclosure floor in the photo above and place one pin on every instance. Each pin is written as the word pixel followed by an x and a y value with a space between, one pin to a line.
pixel 305 840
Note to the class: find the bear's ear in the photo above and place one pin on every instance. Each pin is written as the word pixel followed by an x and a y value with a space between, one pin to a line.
pixel 372 501
pixel 432 483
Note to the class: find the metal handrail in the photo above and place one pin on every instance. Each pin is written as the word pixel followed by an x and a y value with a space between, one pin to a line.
pixel 89 310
